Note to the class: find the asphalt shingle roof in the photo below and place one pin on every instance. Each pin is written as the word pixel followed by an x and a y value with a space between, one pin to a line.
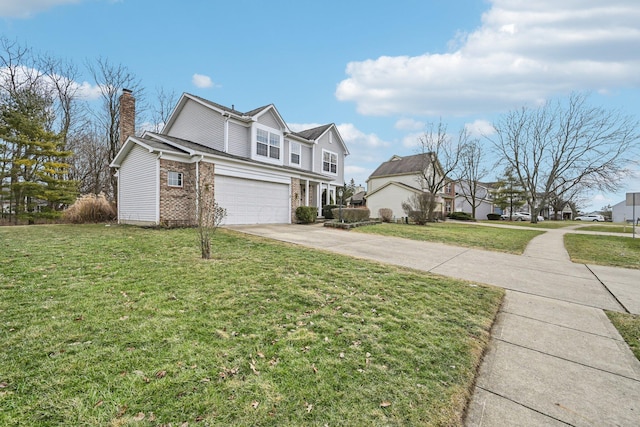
pixel 402 166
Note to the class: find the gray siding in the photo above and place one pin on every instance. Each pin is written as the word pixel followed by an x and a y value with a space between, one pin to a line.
pixel 306 157
pixel 138 187
pixel 269 119
pixel 335 147
pixel 239 144
pixel 199 124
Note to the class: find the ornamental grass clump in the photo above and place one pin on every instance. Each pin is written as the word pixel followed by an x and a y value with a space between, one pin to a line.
pixel 90 208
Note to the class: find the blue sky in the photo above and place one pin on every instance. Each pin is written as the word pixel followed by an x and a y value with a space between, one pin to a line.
pixel 380 70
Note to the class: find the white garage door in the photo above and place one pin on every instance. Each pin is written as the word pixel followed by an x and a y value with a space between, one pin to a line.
pixel 252 202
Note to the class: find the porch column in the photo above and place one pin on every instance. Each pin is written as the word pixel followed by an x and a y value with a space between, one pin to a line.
pixel 319 197
pixel 328 193
pixel 306 193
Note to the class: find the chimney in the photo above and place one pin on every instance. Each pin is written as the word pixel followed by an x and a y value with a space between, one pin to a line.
pixel 127 115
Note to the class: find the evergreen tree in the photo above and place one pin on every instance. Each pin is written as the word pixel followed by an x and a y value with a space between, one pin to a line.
pixel 509 193
pixel 38 184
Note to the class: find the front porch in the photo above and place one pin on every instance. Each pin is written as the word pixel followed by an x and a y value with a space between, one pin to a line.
pixel 312 193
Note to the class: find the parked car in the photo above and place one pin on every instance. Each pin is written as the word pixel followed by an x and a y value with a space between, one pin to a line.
pixel 521 216
pixel 593 217
pixel 517 216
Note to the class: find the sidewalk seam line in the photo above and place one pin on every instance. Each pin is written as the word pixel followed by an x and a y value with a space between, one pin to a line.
pixel 561 326
pixel 608 290
pixel 567 360
pixel 524 406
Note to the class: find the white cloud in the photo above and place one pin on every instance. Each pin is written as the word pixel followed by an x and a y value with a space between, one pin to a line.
pixel 28 8
pixel 202 81
pixel 409 124
pixel 84 90
pixel 353 136
pixel 412 140
pixel 480 128
pixel 524 52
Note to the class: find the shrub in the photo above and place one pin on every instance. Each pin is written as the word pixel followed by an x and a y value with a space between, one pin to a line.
pixel 307 214
pixel 493 217
pixel 326 211
pixel 90 208
pixel 460 216
pixel 385 214
pixel 352 214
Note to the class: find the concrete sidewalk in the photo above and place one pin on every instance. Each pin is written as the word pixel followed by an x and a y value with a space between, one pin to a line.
pixel 554 357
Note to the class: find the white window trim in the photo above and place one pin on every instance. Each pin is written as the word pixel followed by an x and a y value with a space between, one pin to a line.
pixel 180 179
pixel 337 165
pixel 254 145
pixel 299 153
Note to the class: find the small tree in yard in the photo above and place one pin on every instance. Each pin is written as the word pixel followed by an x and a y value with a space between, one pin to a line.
pixel 419 208
pixel 209 214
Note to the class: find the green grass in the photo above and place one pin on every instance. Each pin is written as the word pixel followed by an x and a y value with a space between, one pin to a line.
pixel 616 251
pixel 610 228
pixel 629 327
pixel 544 224
pixel 128 326
pixel 468 235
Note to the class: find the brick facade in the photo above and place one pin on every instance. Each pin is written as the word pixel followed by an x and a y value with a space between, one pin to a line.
pixel 296 198
pixel 177 204
pixel 127 115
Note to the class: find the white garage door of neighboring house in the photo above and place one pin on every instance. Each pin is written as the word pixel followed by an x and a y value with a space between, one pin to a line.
pixel 252 202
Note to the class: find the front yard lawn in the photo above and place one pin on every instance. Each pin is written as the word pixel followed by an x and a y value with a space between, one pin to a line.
pixel 616 251
pixel 128 326
pixel 468 235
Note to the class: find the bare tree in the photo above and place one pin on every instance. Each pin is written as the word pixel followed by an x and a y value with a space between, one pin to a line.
pixel 209 215
pixel 563 146
pixel 417 208
pixel 111 79
pixel 472 171
pixel 90 161
pixel 162 109
pixel 441 157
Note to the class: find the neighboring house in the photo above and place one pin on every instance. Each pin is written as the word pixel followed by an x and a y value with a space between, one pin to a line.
pixel 358 198
pixel 483 199
pixel 620 212
pixel 397 180
pixel 259 169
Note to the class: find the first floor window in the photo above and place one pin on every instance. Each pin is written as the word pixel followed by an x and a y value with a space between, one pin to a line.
pixel 329 162
pixel 174 179
pixel 295 153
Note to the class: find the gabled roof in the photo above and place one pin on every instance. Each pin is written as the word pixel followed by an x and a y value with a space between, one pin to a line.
pixel 313 133
pixel 171 145
pixel 397 184
pixel 402 165
pixel 316 133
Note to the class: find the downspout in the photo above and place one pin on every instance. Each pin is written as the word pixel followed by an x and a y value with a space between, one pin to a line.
pixel 198 195
pixel 158 188
pixel 226 134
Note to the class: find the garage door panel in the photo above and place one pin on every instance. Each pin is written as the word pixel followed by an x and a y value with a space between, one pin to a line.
pixel 252 202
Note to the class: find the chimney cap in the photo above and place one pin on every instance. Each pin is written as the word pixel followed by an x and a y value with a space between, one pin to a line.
pixel 125 90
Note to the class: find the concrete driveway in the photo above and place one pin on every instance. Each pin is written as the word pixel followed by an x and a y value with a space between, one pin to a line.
pixel 554 357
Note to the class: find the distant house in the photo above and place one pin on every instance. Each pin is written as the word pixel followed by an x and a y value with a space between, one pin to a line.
pixel 260 170
pixel 398 179
pixel 483 199
pixel 358 198
pixel 620 212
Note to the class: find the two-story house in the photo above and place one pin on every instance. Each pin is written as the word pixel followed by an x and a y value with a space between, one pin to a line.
pixel 260 171
pixel 398 179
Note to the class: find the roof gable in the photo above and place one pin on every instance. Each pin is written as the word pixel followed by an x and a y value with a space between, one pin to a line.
pixel 402 165
pixel 316 133
pixel 401 185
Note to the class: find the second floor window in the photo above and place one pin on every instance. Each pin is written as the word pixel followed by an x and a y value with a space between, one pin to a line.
pixel 267 144
pixel 295 153
pixel 329 162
